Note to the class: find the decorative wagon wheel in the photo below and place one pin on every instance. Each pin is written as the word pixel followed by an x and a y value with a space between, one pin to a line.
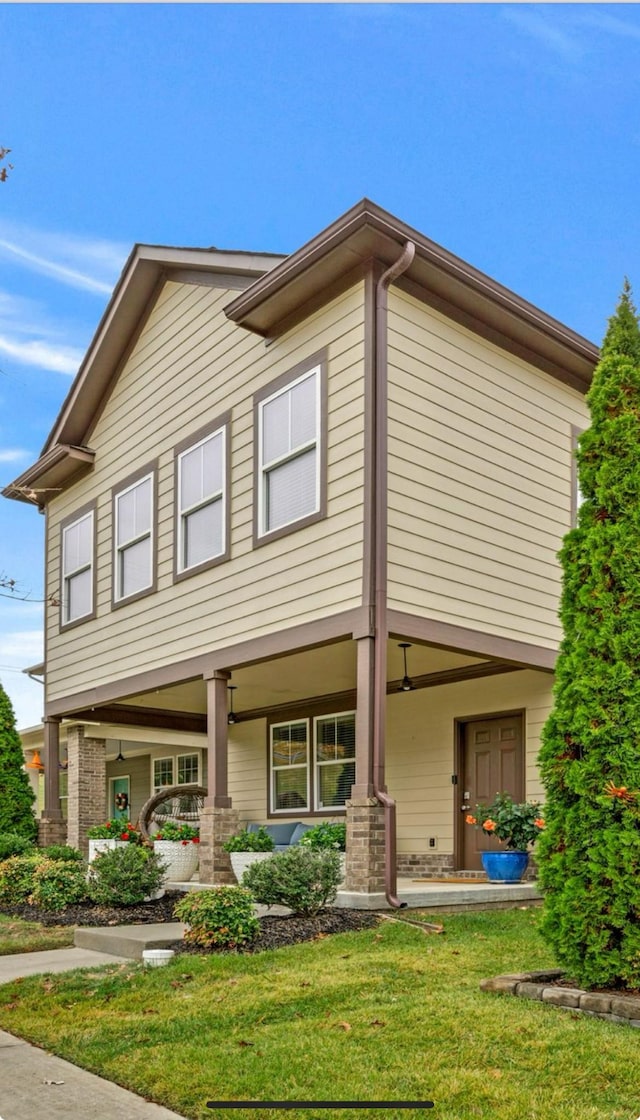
pixel 181 804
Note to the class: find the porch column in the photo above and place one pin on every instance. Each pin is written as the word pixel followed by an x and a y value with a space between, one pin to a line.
pixel 52 828
pixel 218 820
pixel 364 863
pixel 87 776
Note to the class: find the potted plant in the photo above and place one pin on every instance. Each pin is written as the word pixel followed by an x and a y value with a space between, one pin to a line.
pixel 177 845
pixel 327 835
pixel 246 848
pixel 514 824
pixel 113 833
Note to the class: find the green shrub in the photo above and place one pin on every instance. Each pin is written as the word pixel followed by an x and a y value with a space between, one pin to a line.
pixel 125 876
pixel 220 918
pixel 58 884
pixel 326 835
pixel 17 879
pixel 61 852
pixel 245 841
pixel 11 844
pixel 16 795
pixel 304 879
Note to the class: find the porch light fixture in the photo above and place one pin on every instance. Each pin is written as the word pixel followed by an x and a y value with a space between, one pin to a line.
pixel 232 717
pixel 120 757
pixel 36 762
pixel 407 684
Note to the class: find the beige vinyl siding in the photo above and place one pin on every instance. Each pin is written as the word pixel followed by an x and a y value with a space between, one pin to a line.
pixel 189 366
pixel 248 770
pixel 421 748
pixel 480 454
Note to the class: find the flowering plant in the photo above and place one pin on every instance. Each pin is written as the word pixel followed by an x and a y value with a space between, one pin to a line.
pixel 514 824
pixel 184 833
pixel 114 829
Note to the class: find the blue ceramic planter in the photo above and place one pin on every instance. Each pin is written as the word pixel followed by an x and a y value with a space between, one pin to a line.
pixel 504 867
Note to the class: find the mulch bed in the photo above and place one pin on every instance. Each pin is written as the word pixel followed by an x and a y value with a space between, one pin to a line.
pixel 275 931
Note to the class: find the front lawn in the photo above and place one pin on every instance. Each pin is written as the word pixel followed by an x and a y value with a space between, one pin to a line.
pixel 18 936
pixel 391 1013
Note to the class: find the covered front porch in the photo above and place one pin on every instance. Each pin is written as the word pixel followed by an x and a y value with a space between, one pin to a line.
pixel 289 737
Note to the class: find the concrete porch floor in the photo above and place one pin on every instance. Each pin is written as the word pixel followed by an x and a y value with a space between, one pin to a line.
pixel 472 895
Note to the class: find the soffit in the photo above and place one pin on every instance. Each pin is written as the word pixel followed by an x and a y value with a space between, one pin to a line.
pixel 441 279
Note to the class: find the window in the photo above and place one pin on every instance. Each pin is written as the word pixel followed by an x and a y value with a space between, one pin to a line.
pixel 187 769
pixel 290 765
pixel 201 500
pixel 290 452
pixel 162 773
pixel 185 766
pixel 133 517
pixel 335 755
pixel 77 568
pixel 325 785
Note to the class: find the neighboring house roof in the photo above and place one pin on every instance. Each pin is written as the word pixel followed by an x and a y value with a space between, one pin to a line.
pixel 277 291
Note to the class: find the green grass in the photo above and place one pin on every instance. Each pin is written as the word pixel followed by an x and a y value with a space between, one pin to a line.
pixel 17 936
pixel 393 1013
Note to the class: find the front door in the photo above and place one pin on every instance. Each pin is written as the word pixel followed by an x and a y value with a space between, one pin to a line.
pixel 119 799
pixel 492 762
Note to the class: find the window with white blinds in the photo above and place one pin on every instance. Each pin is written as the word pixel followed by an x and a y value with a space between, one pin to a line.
pixel 134 538
pixel 289 453
pixel 312 763
pixel 201 501
pixel 77 568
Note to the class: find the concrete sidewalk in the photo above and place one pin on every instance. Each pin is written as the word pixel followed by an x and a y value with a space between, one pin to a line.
pixel 34 1083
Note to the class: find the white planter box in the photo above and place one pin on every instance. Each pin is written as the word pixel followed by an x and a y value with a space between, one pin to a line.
pixel 97 846
pixel 181 859
pixel 240 861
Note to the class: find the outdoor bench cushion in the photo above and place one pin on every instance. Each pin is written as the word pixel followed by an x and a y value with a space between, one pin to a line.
pixel 283 835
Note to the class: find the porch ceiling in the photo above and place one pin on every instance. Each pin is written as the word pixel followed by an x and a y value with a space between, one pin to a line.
pixel 301 676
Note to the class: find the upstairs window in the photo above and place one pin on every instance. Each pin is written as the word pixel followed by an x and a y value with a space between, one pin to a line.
pixel 201 501
pixel 290 453
pixel 77 568
pixel 134 528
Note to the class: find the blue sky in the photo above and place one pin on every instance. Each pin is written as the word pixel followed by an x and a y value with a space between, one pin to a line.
pixel 508 133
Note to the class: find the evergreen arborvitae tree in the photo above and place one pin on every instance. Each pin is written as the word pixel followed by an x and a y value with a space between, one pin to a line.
pixel 16 795
pixel 589 854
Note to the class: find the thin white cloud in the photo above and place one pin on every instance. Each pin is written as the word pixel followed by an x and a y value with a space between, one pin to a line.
pixel 13 454
pixel 545 29
pixel 89 264
pixel 58 359
pixel 603 21
pixel 21 648
pixel 29 337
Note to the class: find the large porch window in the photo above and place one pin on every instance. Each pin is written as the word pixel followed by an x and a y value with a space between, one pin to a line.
pixel 312 763
pixel 178 770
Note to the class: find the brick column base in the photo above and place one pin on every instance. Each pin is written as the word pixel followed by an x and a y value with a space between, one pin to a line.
pixel 364 865
pixel 87 800
pixel 51 832
pixel 216 826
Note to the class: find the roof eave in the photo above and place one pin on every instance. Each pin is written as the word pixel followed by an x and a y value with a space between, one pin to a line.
pixel 50 474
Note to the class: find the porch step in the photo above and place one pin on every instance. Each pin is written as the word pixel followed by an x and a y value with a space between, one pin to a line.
pixel 128 941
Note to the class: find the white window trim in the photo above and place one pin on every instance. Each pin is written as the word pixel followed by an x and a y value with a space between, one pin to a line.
pixel 318 808
pixel 217 496
pixel 296 766
pixel 162 758
pixel 120 549
pixel 188 754
pixel 265 468
pixel 66 577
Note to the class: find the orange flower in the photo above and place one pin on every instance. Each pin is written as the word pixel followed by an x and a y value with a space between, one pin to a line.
pixel 470 820
pixel 489 825
pixel 539 823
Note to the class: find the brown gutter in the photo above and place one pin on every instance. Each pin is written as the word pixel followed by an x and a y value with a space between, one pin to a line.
pixel 380 576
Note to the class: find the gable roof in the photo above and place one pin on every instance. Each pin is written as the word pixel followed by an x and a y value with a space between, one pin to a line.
pixel 276 291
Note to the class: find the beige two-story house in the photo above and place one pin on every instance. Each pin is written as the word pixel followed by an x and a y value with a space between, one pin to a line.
pixel 325 491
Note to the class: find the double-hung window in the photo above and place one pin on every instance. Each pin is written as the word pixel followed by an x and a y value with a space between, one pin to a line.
pixel 134 533
pixel 201 500
pixel 312 763
pixel 290 453
pixel 77 590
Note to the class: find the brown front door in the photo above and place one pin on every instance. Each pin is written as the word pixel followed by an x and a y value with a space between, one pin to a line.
pixel 492 762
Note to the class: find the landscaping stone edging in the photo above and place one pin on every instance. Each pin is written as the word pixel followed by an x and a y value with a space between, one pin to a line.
pixel 617 1008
